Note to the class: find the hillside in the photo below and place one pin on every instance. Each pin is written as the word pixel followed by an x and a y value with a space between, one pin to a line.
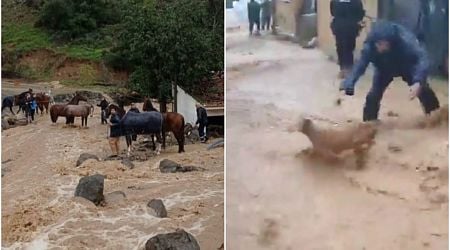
pixel 29 52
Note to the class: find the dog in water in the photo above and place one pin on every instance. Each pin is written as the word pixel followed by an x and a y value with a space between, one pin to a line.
pixel 329 143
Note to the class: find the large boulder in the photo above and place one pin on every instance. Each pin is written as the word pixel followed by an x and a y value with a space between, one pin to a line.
pixel 91 188
pixel 168 166
pixel 218 143
pixel 116 197
pixel 157 208
pixel 178 240
pixel 85 156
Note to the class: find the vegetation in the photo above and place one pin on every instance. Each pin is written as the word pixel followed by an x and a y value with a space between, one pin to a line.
pixel 158 42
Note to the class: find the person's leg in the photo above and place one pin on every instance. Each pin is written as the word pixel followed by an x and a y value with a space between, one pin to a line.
pixel 201 129
pixel 117 145
pixel 112 145
pixel 268 23
pixel 426 95
pixel 263 22
pixel 339 49
pixel 250 27
pixel 373 98
pixel 258 25
pixel 428 99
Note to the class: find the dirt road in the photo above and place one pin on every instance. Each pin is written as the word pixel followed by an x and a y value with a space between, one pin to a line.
pixel 279 200
pixel 40 212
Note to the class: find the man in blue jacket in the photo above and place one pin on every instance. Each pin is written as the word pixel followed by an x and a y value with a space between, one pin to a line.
pixel 394 52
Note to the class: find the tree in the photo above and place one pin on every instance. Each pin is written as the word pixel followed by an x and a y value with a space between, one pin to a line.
pixel 171 42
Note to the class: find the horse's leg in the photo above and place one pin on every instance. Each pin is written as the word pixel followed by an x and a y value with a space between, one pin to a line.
pixel 158 141
pixel 129 143
pixel 10 109
pixel 180 139
pixel 153 141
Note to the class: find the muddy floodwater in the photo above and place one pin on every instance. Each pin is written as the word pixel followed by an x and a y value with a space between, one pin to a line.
pixel 278 199
pixel 39 172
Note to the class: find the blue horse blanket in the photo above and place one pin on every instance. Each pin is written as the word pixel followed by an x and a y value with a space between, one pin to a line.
pixel 141 123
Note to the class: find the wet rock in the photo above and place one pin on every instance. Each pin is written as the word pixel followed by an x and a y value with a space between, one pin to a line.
pixel 85 156
pixel 218 143
pixel 179 240
pixel 91 188
pixel 168 166
pixel 157 208
pixel 5 124
pixel 115 197
pixel 432 168
pixel 84 202
pixel 394 148
pixel 127 162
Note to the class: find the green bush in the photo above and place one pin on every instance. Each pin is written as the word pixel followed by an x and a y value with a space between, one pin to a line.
pixel 72 19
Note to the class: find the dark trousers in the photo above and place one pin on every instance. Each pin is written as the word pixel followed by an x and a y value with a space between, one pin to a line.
pixel 265 22
pixel 252 24
pixel 381 81
pixel 32 114
pixel 345 45
pixel 201 129
pixel 103 117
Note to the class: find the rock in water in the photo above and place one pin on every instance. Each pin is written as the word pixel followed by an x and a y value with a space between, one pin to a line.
pixel 91 188
pixel 126 162
pixel 85 156
pixel 216 144
pixel 178 240
pixel 157 207
pixel 115 197
pixel 168 166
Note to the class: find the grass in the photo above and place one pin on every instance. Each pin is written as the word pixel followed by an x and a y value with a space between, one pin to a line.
pixel 26 38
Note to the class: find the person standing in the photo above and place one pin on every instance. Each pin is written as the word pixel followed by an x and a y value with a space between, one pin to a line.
pixel 266 14
pixel 202 121
pixel 103 105
pixel 394 52
pixel 114 134
pixel 254 10
pixel 346 24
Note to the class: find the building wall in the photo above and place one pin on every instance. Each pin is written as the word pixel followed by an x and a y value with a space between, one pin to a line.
pixel 285 15
pixel 186 106
pixel 325 36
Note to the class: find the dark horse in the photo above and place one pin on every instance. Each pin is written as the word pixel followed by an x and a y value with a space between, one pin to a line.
pixel 8 102
pixel 57 110
pixel 142 124
pixel 172 122
pixel 43 101
pixel 148 106
pixel 138 123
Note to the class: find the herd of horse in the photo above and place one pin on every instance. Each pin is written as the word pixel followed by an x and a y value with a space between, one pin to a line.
pixel 149 122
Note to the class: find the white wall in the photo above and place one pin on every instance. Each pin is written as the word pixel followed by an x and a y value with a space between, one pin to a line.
pixel 186 106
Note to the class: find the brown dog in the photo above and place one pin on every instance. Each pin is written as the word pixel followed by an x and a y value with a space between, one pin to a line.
pixel 329 143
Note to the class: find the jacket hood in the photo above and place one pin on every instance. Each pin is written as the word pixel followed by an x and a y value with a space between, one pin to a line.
pixel 383 30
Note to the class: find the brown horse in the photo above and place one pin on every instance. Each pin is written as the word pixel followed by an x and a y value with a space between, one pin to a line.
pixel 43 101
pixel 174 122
pixel 83 111
pixel 57 110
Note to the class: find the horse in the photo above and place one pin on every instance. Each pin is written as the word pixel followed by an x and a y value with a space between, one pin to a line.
pixel 143 124
pixel 83 111
pixel 57 110
pixel 43 101
pixel 8 102
pixel 174 122
pixel 148 106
